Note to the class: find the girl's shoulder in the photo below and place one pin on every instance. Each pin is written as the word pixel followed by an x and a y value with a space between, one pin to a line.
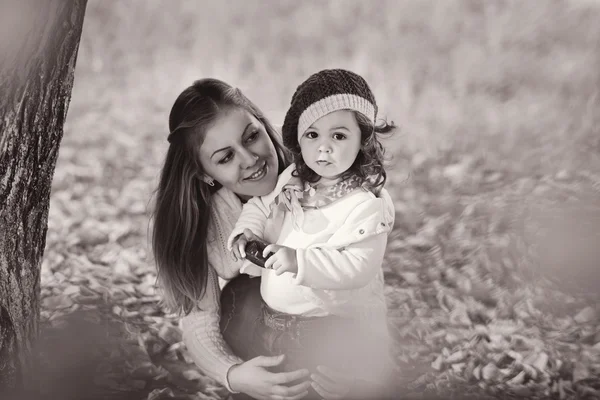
pixel 366 204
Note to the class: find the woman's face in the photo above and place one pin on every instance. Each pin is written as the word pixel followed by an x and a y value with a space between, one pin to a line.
pixel 238 153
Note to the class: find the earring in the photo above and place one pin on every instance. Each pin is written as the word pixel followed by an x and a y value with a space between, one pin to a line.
pixel 209 180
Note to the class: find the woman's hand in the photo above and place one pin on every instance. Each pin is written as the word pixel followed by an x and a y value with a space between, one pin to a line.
pixel 253 379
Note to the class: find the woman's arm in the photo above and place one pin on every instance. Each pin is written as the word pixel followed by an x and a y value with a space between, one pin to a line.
pixel 203 338
pixel 208 349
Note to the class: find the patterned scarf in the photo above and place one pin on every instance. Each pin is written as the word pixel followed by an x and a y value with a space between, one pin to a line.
pixel 295 197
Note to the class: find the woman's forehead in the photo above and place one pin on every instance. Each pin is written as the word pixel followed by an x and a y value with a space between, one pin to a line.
pixel 228 128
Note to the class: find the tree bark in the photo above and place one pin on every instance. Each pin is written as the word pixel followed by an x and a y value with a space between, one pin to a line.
pixel 39 40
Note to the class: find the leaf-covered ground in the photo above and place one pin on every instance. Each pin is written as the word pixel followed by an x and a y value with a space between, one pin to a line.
pixel 492 265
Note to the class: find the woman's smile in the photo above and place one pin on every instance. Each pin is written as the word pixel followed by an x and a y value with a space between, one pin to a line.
pixel 259 174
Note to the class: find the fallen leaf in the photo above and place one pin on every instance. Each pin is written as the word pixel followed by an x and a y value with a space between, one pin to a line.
pixel 517 379
pixel 477 372
pixel 562 175
pixel 451 338
pixel 456 172
pixel 541 361
pixel 158 394
pixel 490 372
pixel 458 368
pixel 532 372
pixel 411 278
pixel 192 374
pixel 57 302
pixel 92 237
pixel 580 371
pixel 437 363
pixel 588 314
pixel 170 334
pixel 456 357
pixel 71 290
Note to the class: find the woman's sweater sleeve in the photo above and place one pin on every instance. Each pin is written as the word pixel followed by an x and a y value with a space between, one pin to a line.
pixel 203 338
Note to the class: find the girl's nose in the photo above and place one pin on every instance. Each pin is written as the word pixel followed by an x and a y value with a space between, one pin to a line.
pixel 324 148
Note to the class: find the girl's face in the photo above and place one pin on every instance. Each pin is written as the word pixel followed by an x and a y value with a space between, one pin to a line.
pixel 238 153
pixel 330 145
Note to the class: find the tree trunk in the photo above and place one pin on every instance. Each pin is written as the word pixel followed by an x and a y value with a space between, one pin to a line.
pixel 39 40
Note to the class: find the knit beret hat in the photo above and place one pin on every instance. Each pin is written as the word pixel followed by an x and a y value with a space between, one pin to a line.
pixel 322 93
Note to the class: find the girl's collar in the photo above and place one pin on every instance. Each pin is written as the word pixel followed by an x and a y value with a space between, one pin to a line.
pixel 317 195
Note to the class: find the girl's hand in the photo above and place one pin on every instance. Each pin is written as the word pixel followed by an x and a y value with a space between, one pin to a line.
pixel 238 247
pixel 253 379
pixel 282 260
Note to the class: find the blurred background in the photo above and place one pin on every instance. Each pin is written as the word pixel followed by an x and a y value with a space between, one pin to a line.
pixel 492 266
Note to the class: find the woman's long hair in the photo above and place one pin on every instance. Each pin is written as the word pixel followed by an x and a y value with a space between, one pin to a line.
pixel 183 200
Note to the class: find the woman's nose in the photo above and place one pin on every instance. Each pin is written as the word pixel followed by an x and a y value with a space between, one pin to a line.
pixel 249 159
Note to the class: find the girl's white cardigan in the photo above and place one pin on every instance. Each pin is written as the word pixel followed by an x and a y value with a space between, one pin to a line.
pixel 201 332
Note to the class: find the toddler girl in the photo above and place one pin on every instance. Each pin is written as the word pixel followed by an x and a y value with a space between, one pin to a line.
pixel 327 224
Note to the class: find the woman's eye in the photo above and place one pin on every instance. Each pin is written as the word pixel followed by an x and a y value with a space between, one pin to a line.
pixel 253 136
pixel 226 159
pixel 339 136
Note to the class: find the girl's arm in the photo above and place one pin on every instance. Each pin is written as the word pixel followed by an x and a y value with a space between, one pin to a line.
pixel 338 269
pixel 256 211
pixel 203 338
pixel 356 263
pixel 254 216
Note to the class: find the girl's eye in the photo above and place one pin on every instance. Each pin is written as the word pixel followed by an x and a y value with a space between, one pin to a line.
pixel 339 136
pixel 311 135
pixel 226 159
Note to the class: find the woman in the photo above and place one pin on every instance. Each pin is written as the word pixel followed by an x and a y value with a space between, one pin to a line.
pixel 222 152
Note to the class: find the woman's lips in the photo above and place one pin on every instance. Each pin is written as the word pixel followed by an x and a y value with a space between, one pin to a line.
pixel 259 174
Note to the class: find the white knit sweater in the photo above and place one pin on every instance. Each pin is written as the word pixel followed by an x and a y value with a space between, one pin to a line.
pixel 201 332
